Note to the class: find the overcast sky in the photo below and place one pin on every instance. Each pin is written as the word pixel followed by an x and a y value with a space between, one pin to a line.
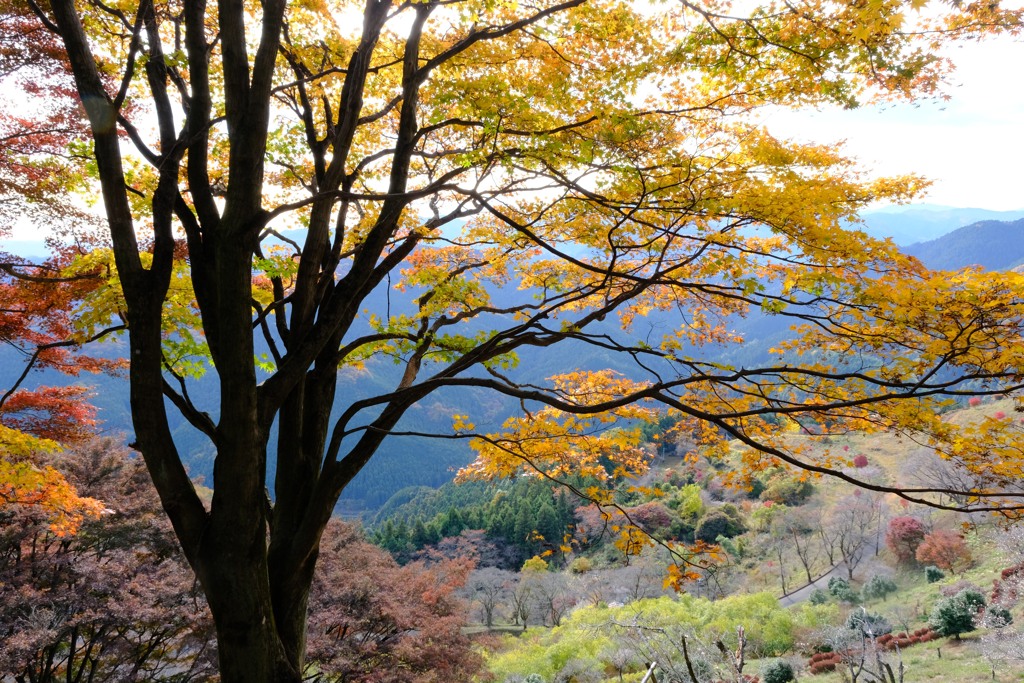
pixel 972 146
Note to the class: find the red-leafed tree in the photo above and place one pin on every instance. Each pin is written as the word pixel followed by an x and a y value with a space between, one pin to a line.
pixel 653 517
pixel 114 602
pixel 374 621
pixel 43 134
pixel 38 329
pixel 903 537
pixel 43 161
pixel 946 550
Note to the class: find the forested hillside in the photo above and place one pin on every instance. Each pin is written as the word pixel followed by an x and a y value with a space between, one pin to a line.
pixel 989 245
pixel 909 225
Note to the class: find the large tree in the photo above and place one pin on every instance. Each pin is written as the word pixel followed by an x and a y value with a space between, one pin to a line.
pixel 517 173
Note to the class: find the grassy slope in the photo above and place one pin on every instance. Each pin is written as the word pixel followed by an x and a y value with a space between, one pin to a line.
pixel 959 661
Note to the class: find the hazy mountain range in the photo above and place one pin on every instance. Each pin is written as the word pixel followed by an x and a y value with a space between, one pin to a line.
pixel 946 238
pixel 908 225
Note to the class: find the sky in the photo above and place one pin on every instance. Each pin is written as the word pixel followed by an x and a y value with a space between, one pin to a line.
pixel 971 146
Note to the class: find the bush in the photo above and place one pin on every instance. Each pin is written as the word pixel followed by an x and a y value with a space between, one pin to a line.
pixel 878 587
pixel 933 574
pixel 946 550
pixel 956 615
pixel 959 587
pixel 842 590
pixel 535 565
pixel 972 598
pixel 819 596
pixel 868 623
pixel 720 522
pixel 653 517
pixel 788 490
pixel 860 461
pixel 581 565
pixel 734 548
pixel 998 617
pixel 778 672
pixel 837 583
pixel 757 487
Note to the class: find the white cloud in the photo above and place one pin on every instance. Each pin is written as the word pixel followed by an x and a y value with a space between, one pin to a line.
pixel 971 146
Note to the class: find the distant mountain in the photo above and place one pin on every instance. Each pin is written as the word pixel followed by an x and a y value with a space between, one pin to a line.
pixel 413 461
pixel 915 223
pixel 992 245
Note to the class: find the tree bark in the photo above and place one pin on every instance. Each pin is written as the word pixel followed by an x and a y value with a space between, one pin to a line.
pixel 237 587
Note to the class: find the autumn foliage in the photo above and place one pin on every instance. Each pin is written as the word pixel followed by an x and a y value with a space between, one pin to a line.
pixel 115 601
pixel 946 550
pixel 903 537
pixel 517 177
pixel 39 319
pixel 374 621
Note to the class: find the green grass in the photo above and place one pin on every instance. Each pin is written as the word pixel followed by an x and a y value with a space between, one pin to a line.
pixel 960 662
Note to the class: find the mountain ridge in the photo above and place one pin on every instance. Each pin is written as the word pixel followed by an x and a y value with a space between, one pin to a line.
pixel 990 245
pixel 410 461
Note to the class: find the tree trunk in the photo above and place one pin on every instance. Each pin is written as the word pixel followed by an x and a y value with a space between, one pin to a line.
pixel 236 582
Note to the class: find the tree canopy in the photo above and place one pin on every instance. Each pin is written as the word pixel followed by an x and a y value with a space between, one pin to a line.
pixel 515 176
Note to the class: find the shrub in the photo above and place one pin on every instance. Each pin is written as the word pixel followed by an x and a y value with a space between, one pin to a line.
pixel 903 537
pixel 860 461
pixel 757 487
pixel 581 565
pixel 653 517
pixel 878 587
pixel 933 574
pixel 827 662
pixel 1004 589
pixel 788 490
pixel 778 672
pixel 868 623
pixel 959 587
pixel 819 596
pixel 734 548
pixel 956 615
pixel 837 583
pixel 535 565
pixel 998 617
pixel 841 589
pixel 719 522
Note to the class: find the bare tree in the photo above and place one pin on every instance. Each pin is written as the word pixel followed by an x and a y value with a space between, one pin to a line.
pixel 551 592
pixel 1000 646
pixel 641 578
pixel 489 588
pixel 779 547
pixel 793 534
pixel 522 601
pixel 854 524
